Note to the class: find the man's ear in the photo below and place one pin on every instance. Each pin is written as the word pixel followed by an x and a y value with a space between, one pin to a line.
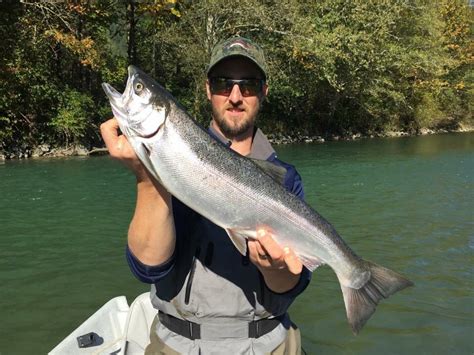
pixel 208 90
pixel 264 92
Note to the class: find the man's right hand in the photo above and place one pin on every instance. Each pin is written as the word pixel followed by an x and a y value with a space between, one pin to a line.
pixel 120 149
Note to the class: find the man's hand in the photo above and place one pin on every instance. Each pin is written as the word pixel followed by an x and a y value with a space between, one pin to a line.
pixel 279 266
pixel 120 149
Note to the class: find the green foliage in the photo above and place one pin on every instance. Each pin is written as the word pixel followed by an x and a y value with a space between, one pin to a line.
pixel 335 66
pixel 51 49
pixel 369 55
pixel 72 120
pixel 427 112
pixel 457 85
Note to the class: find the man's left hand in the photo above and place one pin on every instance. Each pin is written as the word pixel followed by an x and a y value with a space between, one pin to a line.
pixel 280 266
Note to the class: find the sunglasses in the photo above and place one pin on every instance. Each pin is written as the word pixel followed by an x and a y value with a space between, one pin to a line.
pixel 224 86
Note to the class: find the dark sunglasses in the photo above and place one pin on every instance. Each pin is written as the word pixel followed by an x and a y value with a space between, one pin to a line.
pixel 224 86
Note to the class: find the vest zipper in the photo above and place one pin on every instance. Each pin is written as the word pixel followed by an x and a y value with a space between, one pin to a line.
pixel 191 276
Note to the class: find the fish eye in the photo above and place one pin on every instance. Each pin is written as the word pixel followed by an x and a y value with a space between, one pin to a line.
pixel 138 87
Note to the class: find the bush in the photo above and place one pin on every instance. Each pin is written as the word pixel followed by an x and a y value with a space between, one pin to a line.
pixel 428 113
pixel 72 120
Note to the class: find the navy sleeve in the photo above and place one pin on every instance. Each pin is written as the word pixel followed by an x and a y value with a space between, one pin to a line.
pixel 282 301
pixel 305 278
pixel 293 182
pixel 146 273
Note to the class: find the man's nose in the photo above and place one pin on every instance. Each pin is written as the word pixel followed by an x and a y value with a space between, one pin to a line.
pixel 235 95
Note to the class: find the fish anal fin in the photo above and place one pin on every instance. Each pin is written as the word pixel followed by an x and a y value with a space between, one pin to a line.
pixel 311 263
pixel 239 237
pixel 361 303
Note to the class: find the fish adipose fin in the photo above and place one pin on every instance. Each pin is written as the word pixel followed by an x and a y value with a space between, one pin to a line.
pixel 360 303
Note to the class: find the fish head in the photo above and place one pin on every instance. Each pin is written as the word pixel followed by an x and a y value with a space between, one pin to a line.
pixel 142 108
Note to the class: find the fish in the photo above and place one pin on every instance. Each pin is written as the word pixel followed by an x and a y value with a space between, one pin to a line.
pixel 239 194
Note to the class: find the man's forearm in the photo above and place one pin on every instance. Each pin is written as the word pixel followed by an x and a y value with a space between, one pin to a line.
pixel 280 281
pixel 151 235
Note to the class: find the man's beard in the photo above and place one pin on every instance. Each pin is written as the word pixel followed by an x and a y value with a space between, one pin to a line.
pixel 233 131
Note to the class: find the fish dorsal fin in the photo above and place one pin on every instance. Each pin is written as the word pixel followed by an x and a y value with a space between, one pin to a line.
pixel 239 237
pixel 277 172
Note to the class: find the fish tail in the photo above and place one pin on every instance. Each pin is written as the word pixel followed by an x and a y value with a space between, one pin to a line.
pixel 361 303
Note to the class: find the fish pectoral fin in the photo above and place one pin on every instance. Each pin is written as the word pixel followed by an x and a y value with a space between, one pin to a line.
pixel 143 152
pixel 311 263
pixel 361 303
pixel 239 238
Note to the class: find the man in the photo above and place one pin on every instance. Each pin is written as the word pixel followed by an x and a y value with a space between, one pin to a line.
pixel 210 298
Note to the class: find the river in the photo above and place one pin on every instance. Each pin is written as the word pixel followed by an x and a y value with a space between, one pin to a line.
pixel 406 203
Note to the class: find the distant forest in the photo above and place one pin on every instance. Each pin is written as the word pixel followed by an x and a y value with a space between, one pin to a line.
pixel 336 67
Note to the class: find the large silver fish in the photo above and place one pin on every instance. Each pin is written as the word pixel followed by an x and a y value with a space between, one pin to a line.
pixel 202 173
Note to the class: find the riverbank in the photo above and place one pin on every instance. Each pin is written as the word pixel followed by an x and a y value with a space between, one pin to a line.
pixel 49 151
pixel 301 138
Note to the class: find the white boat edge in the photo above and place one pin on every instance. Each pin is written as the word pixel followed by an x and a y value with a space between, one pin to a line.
pixel 122 329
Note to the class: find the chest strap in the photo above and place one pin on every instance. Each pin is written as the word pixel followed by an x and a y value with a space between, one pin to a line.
pixel 193 331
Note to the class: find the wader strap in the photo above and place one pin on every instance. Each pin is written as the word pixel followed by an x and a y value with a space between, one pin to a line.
pixel 192 330
pixel 263 326
pixel 182 327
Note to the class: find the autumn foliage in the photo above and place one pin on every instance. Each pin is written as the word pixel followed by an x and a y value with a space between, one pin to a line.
pixel 335 66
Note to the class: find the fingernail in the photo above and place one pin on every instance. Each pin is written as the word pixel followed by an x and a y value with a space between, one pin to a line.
pixel 261 232
pixel 286 250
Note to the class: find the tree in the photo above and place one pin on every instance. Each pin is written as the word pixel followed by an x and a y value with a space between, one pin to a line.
pixel 335 67
pixel 58 45
pixel 455 94
pixel 71 121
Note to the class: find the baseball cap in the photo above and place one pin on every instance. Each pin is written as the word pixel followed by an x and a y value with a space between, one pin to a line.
pixel 238 46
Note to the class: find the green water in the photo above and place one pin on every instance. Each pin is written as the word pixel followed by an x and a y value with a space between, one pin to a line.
pixel 405 203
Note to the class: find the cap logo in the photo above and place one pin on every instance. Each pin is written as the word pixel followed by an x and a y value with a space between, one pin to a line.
pixel 239 43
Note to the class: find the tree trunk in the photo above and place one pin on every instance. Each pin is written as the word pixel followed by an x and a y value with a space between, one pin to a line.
pixel 132 22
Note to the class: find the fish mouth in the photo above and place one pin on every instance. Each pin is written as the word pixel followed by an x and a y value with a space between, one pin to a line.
pixel 132 70
pixel 118 100
pixel 111 92
pixel 115 98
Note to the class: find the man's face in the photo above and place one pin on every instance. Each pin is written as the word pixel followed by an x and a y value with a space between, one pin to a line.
pixel 235 114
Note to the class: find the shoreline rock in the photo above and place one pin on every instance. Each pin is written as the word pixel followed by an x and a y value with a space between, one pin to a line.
pixel 279 138
pixel 47 151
